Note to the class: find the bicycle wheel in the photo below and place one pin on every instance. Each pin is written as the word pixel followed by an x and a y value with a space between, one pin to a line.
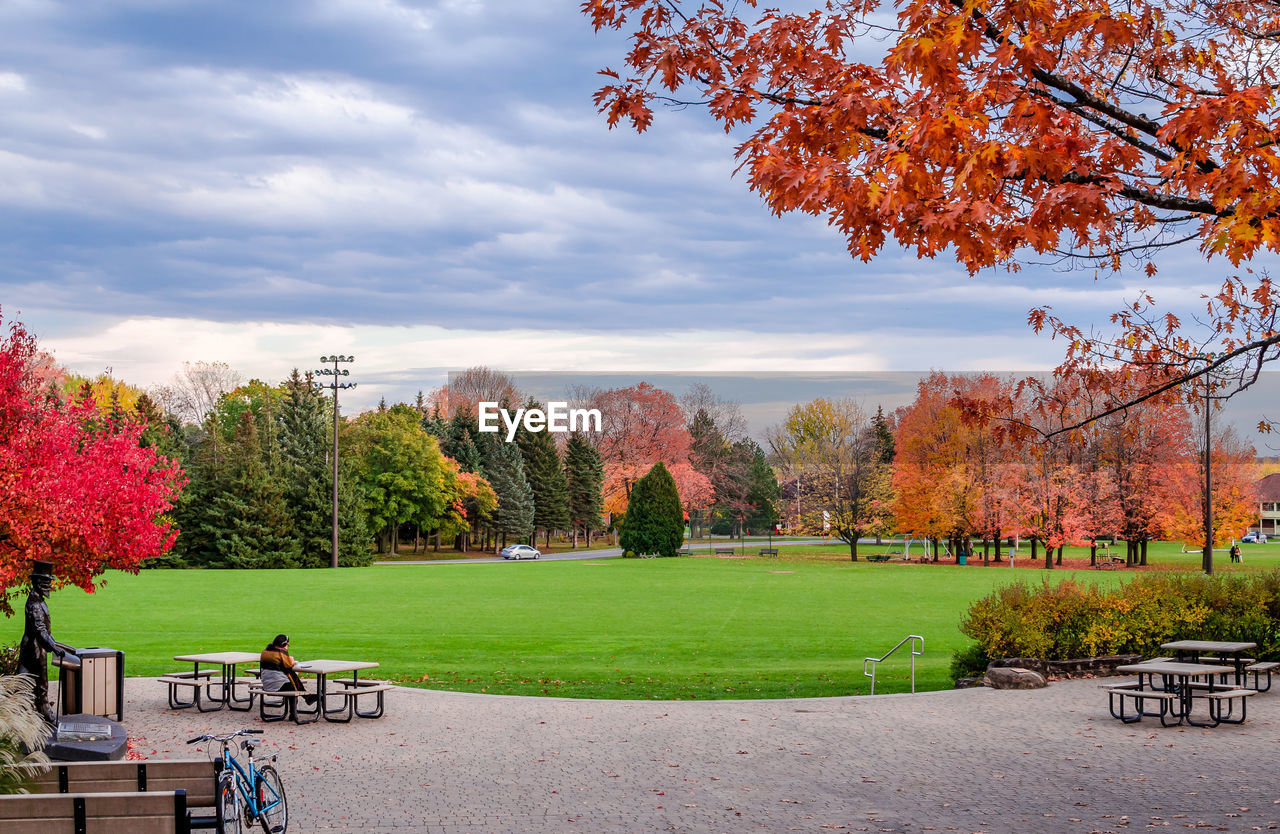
pixel 228 807
pixel 273 810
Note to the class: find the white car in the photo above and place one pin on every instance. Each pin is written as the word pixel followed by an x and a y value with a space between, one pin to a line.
pixel 520 551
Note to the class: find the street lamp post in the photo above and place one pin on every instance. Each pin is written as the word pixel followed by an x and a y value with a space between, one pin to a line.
pixel 335 385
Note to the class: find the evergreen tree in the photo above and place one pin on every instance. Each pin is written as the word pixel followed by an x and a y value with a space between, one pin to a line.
pixel 307 474
pixel 505 468
pixel 763 489
pixel 543 469
pixel 584 475
pixel 884 437
pixel 654 523
pixel 458 443
pixel 248 524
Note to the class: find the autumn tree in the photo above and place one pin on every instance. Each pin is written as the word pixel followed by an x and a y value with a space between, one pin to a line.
pixel 474 385
pixel 1095 133
pixel 74 490
pixel 1235 505
pixel 640 426
pixel 834 446
pixel 196 389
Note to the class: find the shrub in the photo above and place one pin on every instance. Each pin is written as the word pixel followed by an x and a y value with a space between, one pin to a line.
pixel 21 729
pixel 969 662
pixel 1067 620
pixel 8 660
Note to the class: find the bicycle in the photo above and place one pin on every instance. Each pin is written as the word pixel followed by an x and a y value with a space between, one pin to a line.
pixel 257 788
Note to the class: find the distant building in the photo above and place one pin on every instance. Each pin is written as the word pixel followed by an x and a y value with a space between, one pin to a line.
pixel 1268 505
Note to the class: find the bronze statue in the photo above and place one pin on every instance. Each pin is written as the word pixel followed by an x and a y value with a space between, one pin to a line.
pixel 37 640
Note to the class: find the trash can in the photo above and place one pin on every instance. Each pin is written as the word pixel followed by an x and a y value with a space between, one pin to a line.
pixel 962 559
pixel 97 687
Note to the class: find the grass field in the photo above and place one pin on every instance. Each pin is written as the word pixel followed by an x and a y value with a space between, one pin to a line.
pixel 796 625
pixel 653 628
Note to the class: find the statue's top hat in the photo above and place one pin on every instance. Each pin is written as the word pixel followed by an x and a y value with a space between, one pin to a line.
pixel 39 568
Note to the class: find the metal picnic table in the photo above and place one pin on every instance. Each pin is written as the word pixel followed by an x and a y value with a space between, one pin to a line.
pixel 1192 650
pixel 225 684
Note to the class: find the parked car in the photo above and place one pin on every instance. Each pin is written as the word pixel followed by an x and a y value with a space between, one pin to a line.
pixel 520 551
pixel 1254 538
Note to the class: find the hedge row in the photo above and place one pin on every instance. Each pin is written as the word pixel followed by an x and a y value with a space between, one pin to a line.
pixel 1069 620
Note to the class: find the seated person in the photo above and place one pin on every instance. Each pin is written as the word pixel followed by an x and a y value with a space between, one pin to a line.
pixel 277 669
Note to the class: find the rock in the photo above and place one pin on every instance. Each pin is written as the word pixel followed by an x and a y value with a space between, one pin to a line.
pixel 1012 677
pixel 1035 664
pixel 968 683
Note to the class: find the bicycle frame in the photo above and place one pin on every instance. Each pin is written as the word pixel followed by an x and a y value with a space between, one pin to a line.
pixel 244 783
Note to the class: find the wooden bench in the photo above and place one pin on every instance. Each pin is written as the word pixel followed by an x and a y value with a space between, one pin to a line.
pixel 724 551
pixel 1122 691
pixel 287 706
pixel 197 778
pixel 153 812
pixel 768 551
pixel 1258 669
pixel 353 690
pixel 1218 697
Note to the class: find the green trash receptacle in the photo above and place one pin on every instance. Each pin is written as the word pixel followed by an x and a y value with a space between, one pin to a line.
pixel 962 559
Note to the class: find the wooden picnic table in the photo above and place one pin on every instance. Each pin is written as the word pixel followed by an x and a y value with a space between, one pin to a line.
pixel 1193 649
pixel 1179 678
pixel 322 669
pixel 224 684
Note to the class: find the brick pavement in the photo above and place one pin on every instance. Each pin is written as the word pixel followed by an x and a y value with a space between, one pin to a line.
pixel 969 760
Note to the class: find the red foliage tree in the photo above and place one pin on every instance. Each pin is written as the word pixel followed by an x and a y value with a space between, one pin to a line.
pixel 640 426
pixel 76 489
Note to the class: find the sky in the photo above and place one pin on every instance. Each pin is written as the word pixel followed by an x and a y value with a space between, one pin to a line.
pixel 427 186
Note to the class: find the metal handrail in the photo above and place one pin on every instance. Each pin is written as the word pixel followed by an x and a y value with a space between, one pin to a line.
pixel 912 638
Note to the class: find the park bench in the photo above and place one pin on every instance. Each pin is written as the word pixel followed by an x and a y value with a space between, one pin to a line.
pixel 152 812
pixel 878 557
pixel 1117 693
pixel 768 551
pixel 197 779
pixel 723 551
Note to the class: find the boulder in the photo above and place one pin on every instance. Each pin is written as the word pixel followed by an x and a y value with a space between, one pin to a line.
pixel 968 683
pixel 1012 677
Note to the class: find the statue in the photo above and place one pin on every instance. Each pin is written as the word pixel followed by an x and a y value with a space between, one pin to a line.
pixel 36 640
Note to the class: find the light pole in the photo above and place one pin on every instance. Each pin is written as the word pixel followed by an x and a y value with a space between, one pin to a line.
pixel 335 385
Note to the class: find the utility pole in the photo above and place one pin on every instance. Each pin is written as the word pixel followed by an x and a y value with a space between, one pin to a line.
pixel 335 386
pixel 1207 561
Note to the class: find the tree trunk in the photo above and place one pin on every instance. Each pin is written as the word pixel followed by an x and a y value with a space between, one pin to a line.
pixel 1093 553
pixel 853 550
pixel 437 543
pixel 1143 553
pixel 1034 548
pixel 548 539
pixel 986 552
pixel 1058 561
pixel 997 544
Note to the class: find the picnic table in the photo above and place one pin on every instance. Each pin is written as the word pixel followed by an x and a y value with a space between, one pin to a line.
pixel 351 688
pixel 220 691
pixel 1177 691
pixel 1192 650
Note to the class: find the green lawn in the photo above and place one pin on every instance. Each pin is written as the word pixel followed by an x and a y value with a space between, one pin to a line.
pixel 652 628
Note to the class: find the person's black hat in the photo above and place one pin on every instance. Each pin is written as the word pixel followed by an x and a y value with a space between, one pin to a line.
pixel 39 568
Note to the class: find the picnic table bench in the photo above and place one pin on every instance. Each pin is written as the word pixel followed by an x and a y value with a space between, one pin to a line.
pixel 281 704
pixel 768 551
pixel 878 557
pixel 1178 686
pixel 724 551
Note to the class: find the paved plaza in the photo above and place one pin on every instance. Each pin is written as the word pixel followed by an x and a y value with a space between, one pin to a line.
pixel 968 760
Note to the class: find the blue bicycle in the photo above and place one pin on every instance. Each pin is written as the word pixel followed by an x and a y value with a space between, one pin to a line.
pixel 248 794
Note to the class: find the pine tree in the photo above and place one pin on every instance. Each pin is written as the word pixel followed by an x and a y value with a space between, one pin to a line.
pixel 505 471
pixel 884 437
pixel 543 468
pixel 654 524
pixel 249 525
pixel 307 474
pixel 584 475
pixel 458 443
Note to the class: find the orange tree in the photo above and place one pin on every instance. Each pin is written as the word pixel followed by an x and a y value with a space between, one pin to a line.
pixel 76 488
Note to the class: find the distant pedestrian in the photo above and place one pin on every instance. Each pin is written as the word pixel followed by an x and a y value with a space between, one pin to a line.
pixel 1235 553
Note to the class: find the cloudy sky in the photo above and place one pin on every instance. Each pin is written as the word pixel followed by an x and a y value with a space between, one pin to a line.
pixel 427 185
